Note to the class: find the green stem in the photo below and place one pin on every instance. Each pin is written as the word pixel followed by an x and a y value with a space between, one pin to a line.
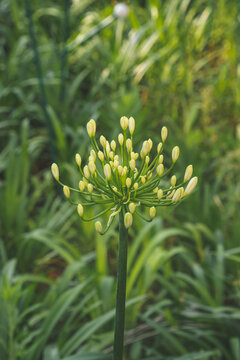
pixel 121 290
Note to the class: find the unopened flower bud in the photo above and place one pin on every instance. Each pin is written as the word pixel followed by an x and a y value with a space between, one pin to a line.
pixel 128 182
pixel 107 149
pixel 143 179
pixel 55 171
pixel 177 196
pixel 120 170
pixel 160 160
pixel 173 180
pixel 116 164
pixel 175 153
pixel 132 164
pixel 93 154
pixel 98 227
pixel 116 157
pixel 150 143
pixel 188 173
pixel 131 125
pixel 191 185
pixel 132 207
pixel 147 159
pixel 113 145
pixel 129 145
pixel 160 194
pixel 66 191
pixel 124 122
pixel 145 148
pixel 103 141
pixel 111 155
pixel 128 219
pixel 80 210
pixel 92 167
pixel 91 128
pixel 155 190
pixel 120 139
pixel 78 159
pixel 86 172
pixel 152 212
pixel 164 133
pixel 81 185
pixel 90 188
pixel 107 171
pixel 101 155
pixel 159 147
pixel 160 169
pixel 135 186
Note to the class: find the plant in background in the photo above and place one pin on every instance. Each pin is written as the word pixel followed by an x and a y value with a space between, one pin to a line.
pixel 125 181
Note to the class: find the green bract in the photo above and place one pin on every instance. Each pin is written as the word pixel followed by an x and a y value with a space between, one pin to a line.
pixel 123 179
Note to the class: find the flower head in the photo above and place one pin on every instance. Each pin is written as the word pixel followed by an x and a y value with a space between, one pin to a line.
pixel 120 179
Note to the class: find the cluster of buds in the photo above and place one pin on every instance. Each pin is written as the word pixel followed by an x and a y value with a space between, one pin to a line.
pixel 124 180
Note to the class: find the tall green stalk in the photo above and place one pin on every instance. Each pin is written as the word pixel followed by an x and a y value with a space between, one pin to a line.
pixel 121 290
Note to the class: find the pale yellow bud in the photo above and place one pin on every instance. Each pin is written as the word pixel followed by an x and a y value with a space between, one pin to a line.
pixel 191 185
pixel 150 143
pixel 120 170
pixel 86 172
pixel 155 190
pixel 131 125
pixel 132 155
pixel 92 167
pixel 188 173
pixel 160 169
pixel 120 139
pixel 132 164
pixel 107 171
pixel 175 153
pixel 145 147
pixel 78 159
pixel 164 133
pixel 173 180
pixel 85 181
pixel 66 191
pixel 128 182
pixel 170 194
pixel 132 207
pixel 142 154
pixel 160 160
pixel 98 227
pixel 152 212
pixel 143 179
pixel 107 149
pixel 160 194
pixel 136 156
pixel 113 145
pixel 90 188
pixel 91 158
pixel 182 191
pixel 147 159
pixel 101 155
pixel 129 145
pixel 116 157
pixel 124 122
pixel 124 172
pixel 128 219
pixel 111 155
pixel 81 185
pixel 91 128
pixel 80 210
pixel 93 154
pixel 177 196
pixel 159 147
pixel 135 186
pixel 116 164
pixel 103 141
pixel 55 171
pixel 149 176
pixel 111 163
pixel 115 188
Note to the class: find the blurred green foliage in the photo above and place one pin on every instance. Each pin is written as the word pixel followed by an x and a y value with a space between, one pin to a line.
pixel 173 63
